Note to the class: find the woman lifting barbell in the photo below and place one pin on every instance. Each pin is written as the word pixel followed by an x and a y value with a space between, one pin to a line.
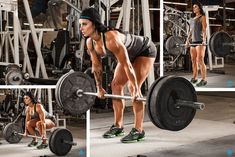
pixel 197 35
pixel 135 56
pixel 36 117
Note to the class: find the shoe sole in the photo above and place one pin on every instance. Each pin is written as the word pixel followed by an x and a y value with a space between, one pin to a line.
pixel 201 85
pixel 134 141
pixel 121 134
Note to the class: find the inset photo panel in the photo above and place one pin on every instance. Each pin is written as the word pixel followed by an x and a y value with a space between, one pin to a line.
pixel 199 42
pixel 33 123
pixel 120 126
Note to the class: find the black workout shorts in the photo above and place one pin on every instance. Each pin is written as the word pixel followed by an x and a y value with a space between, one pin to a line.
pixel 150 52
pixel 196 42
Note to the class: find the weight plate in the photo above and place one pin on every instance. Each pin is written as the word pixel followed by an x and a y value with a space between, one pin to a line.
pixel 51 146
pixel 57 90
pixel 66 92
pixel 8 133
pixel 171 45
pixel 163 99
pixel 57 142
pixel 217 44
pixel 14 77
pixel 210 46
pixel 150 112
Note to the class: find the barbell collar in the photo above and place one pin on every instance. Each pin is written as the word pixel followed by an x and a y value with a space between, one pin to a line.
pixel 185 103
pixel 80 92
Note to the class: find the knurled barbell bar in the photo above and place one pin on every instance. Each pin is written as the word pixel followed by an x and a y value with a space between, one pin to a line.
pixel 64 141
pixel 220 44
pixel 179 103
pixel 184 45
pixel 60 140
pixel 171 101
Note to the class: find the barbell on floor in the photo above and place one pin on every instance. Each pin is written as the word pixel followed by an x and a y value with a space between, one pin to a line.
pixel 60 141
pixel 171 101
pixel 220 44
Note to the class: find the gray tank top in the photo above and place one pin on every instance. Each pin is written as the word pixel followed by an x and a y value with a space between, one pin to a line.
pixel 196 28
pixel 133 43
pixel 36 115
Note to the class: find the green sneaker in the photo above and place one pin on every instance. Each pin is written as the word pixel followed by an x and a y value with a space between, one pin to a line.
pixel 202 83
pixel 42 146
pixel 193 80
pixel 32 143
pixel 113 132
pixel 133 136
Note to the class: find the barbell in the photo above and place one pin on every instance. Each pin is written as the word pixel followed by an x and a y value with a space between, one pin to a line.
pixel 220 44
pixel 60 140
pixel 171 101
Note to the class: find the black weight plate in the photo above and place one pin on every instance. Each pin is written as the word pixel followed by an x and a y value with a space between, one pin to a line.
pixel 171 45
pixel 148 102
pixel 57 89
pixel 164 97
pixel 67 88
pixel 51 144
pixel 8 133
pixel 151 101
pixel 217 44
pixel 57 144
pixel 210 46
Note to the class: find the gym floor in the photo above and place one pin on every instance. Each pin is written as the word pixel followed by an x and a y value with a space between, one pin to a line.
pixel 78 131
pixel 217 78
pixel 210 134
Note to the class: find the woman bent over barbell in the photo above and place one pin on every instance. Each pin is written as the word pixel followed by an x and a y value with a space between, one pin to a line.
pixel 135 57
pixel 36 117
pixel 197 35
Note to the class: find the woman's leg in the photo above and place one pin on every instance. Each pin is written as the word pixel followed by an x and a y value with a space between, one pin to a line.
pixel 48 125
pixel 193 54
pixel 142 66
pixel 31 125
pixel 117 85
pixel 200 50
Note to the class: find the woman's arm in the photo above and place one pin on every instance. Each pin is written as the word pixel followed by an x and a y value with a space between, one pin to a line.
pixel 204 25
pixel 42 116
pixel 189 37
pixel 97 68
pixel 27 118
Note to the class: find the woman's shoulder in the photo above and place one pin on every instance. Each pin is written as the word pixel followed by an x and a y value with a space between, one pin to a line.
pixel 39 105
pixel 113 35
pixel 89 43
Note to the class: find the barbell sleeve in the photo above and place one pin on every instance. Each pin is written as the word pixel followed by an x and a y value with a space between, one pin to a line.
pixel 70 142
pixel 80 92
pixel 229 44
pixel 185 103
